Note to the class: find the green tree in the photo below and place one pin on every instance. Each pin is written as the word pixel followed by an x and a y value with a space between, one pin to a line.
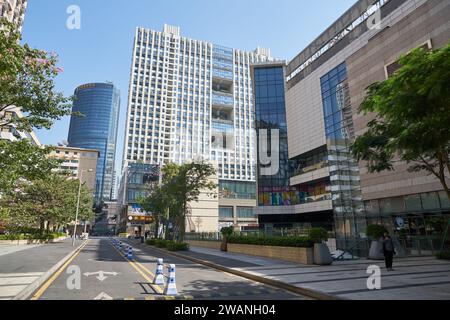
pixel 45 203
pixel 181 184
pixel 190 180
pixel 27 81
pixel 22 160
pixel 412 117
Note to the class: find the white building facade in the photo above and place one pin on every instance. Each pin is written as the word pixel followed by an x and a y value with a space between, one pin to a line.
pixel 13 11
pixel 191 99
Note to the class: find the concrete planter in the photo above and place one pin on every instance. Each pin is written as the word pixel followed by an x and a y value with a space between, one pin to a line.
pixel 322 255
pixel 291 254
pixel 205 244
pixel 376 251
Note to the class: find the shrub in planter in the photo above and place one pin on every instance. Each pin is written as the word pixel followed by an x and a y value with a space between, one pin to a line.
pixel 301 242
pixel 226 233
pixel 150 242
pixel 375 232
pixel 177 246
pixel 161 243
pixel 322 255
pixel 444 255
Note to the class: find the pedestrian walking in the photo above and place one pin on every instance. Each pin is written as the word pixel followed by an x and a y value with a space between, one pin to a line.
pixel 388 251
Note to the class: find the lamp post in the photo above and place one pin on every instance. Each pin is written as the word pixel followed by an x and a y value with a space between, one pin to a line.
pixel 78 205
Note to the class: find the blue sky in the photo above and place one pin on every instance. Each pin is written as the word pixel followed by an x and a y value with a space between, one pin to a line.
pixel 101 50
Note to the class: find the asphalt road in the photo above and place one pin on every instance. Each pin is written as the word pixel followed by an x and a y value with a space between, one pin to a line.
pixel 104 273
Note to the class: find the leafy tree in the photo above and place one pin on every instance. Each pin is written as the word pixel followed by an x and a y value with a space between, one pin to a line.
pixel 27 81
pixel 22 160
pixel 190 181
pixel 47 201
pixel 181 184
pixel 412 117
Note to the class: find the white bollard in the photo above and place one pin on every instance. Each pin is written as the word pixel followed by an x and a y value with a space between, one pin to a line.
pixel 130 253
pixel 171 289
pixel 159 275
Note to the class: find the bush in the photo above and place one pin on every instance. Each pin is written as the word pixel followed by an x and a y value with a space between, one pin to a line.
pixel 375 231
pixel 177 246
pixel 318 235
pixel 150 242
pixel 444 255
pixel 227 231
pixel 160 243
pixel 301 242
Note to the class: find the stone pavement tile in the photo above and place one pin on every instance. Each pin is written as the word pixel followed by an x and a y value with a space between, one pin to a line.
pixel 413 278
pixel 8 249
pixel 12 284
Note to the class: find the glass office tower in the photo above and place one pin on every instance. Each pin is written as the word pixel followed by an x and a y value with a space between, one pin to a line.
pixel 97 129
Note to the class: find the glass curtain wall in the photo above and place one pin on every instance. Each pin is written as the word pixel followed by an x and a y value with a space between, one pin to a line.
pixel 344 171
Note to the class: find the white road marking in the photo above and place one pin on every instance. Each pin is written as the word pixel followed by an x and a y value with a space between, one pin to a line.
pixel 103 296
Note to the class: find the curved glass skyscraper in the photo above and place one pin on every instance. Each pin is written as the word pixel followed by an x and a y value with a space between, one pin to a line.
pixel 97 129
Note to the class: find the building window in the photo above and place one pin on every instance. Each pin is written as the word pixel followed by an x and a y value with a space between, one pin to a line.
pixel 245 212
pixel 226 212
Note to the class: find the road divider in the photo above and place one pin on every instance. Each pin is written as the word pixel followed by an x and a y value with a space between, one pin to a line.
pixel 158 284
pixel 159 277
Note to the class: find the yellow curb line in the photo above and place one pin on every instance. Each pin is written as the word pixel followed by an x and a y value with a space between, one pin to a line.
pixel 48 283
pixel 134 265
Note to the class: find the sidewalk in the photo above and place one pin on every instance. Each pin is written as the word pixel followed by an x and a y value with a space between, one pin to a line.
pixel 414 278
pixel 22 266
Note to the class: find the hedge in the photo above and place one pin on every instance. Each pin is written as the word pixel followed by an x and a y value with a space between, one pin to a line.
pixel 301 242
pixel 32 237
pixel 169 245
pixel 176 246
pixel 444 255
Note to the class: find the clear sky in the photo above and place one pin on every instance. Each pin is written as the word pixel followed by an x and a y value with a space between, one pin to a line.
pixel 101 50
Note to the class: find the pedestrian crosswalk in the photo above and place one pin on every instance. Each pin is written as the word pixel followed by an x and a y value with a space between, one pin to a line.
pixel 12 284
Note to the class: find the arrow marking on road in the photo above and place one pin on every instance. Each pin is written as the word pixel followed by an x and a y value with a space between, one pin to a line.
pixel 100 274
pixel 103 296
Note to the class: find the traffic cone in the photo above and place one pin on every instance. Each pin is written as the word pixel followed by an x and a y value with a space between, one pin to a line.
pixel 159 275
pixel 171 289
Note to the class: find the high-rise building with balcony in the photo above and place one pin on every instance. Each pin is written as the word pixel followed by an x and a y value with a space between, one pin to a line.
pixel 13 11
pixel 96 129
pixel 191 99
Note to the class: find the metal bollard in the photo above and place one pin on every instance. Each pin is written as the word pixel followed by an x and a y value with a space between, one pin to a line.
pixel 159 275
pixel 171 289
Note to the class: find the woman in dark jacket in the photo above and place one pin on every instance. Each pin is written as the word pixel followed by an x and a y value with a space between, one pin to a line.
pixel 388 251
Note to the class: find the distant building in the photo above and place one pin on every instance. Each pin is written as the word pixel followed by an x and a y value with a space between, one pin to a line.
pixel 10 131
pixel 13 11
pixel 97 130
pixel 134 183
pixel 78 161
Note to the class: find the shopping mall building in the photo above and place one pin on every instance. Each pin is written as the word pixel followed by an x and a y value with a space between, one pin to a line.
pixel 313 101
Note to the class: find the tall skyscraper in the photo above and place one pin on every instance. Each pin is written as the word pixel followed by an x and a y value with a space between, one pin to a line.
pixel 191 99
pixel 97 129
pixel 13 11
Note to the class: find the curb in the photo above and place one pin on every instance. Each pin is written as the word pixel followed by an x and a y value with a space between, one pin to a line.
pixel 28 291
pixel 315 294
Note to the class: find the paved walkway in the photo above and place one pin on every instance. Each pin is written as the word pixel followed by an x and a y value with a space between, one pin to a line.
pixel 414 278
pixel 22 265
pixel 8 249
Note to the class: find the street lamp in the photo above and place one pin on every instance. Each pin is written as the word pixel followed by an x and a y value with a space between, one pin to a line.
pixel 78 205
